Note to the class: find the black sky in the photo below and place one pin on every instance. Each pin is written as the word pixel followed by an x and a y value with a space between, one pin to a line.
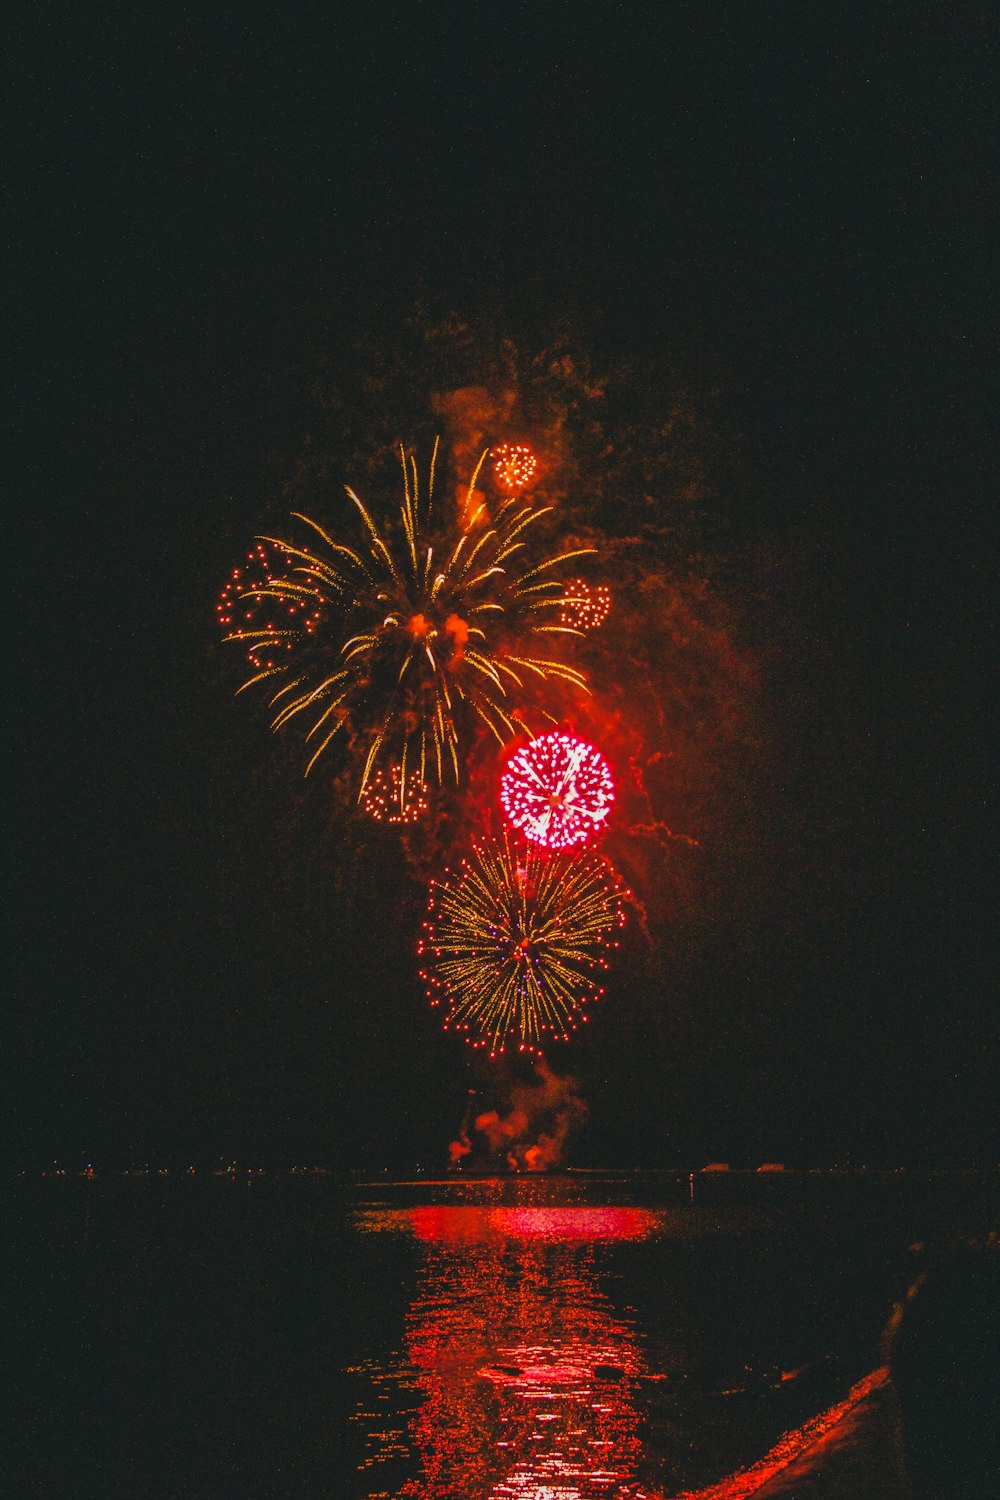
pixel 799 197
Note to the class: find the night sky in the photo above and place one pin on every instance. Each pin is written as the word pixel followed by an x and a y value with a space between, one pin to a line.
pixel 218 221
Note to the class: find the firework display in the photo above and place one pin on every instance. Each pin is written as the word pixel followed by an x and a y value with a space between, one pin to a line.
pixel 514 466
pixel 423 632
pixel 389 797
pixel 249 611
pixel 584 606
pixel 557 790
pixel 441 622
pixel 515 942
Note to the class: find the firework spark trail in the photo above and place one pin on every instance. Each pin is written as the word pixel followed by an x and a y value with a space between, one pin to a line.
pixel 417 643
pixel 515 943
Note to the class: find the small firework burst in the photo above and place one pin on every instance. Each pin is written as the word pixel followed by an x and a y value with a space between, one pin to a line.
pixel 413 642
pixel 391 797
pixel 557 790
pixel 514 467
pixel 585 605
pixel 516 941
pixel 248 610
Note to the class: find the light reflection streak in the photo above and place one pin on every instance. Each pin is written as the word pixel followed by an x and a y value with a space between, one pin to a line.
pixel 439 1223
pixel 518 1379
pixel 526 1372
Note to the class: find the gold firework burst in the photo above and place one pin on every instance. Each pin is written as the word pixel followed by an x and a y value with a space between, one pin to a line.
pixel 428 627
pixel 515 942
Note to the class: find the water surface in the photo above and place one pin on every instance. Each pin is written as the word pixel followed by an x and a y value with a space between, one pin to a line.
pixel 558 1337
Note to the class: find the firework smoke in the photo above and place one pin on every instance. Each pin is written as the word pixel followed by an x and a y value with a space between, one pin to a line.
pixel 531 1129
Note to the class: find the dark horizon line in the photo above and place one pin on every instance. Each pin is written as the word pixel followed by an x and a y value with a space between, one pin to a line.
pixel 251 1167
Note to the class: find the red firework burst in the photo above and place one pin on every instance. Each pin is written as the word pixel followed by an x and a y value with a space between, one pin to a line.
pixel 585 606
pixel 558 790
pixel 389 796
pixel 250 610
pixel 514 466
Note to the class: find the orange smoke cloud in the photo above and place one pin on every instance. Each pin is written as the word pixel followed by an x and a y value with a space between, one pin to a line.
pixel 545 1153
pixel 471 415
pixel 531 1134
pixel 499 1130
pixel 458 1149
pixel 458 629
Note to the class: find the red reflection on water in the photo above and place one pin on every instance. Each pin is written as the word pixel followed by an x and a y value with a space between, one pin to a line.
pixel 441 1224
pixel 525 1371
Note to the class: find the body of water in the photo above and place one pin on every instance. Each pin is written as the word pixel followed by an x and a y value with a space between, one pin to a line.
pixel 560 1337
